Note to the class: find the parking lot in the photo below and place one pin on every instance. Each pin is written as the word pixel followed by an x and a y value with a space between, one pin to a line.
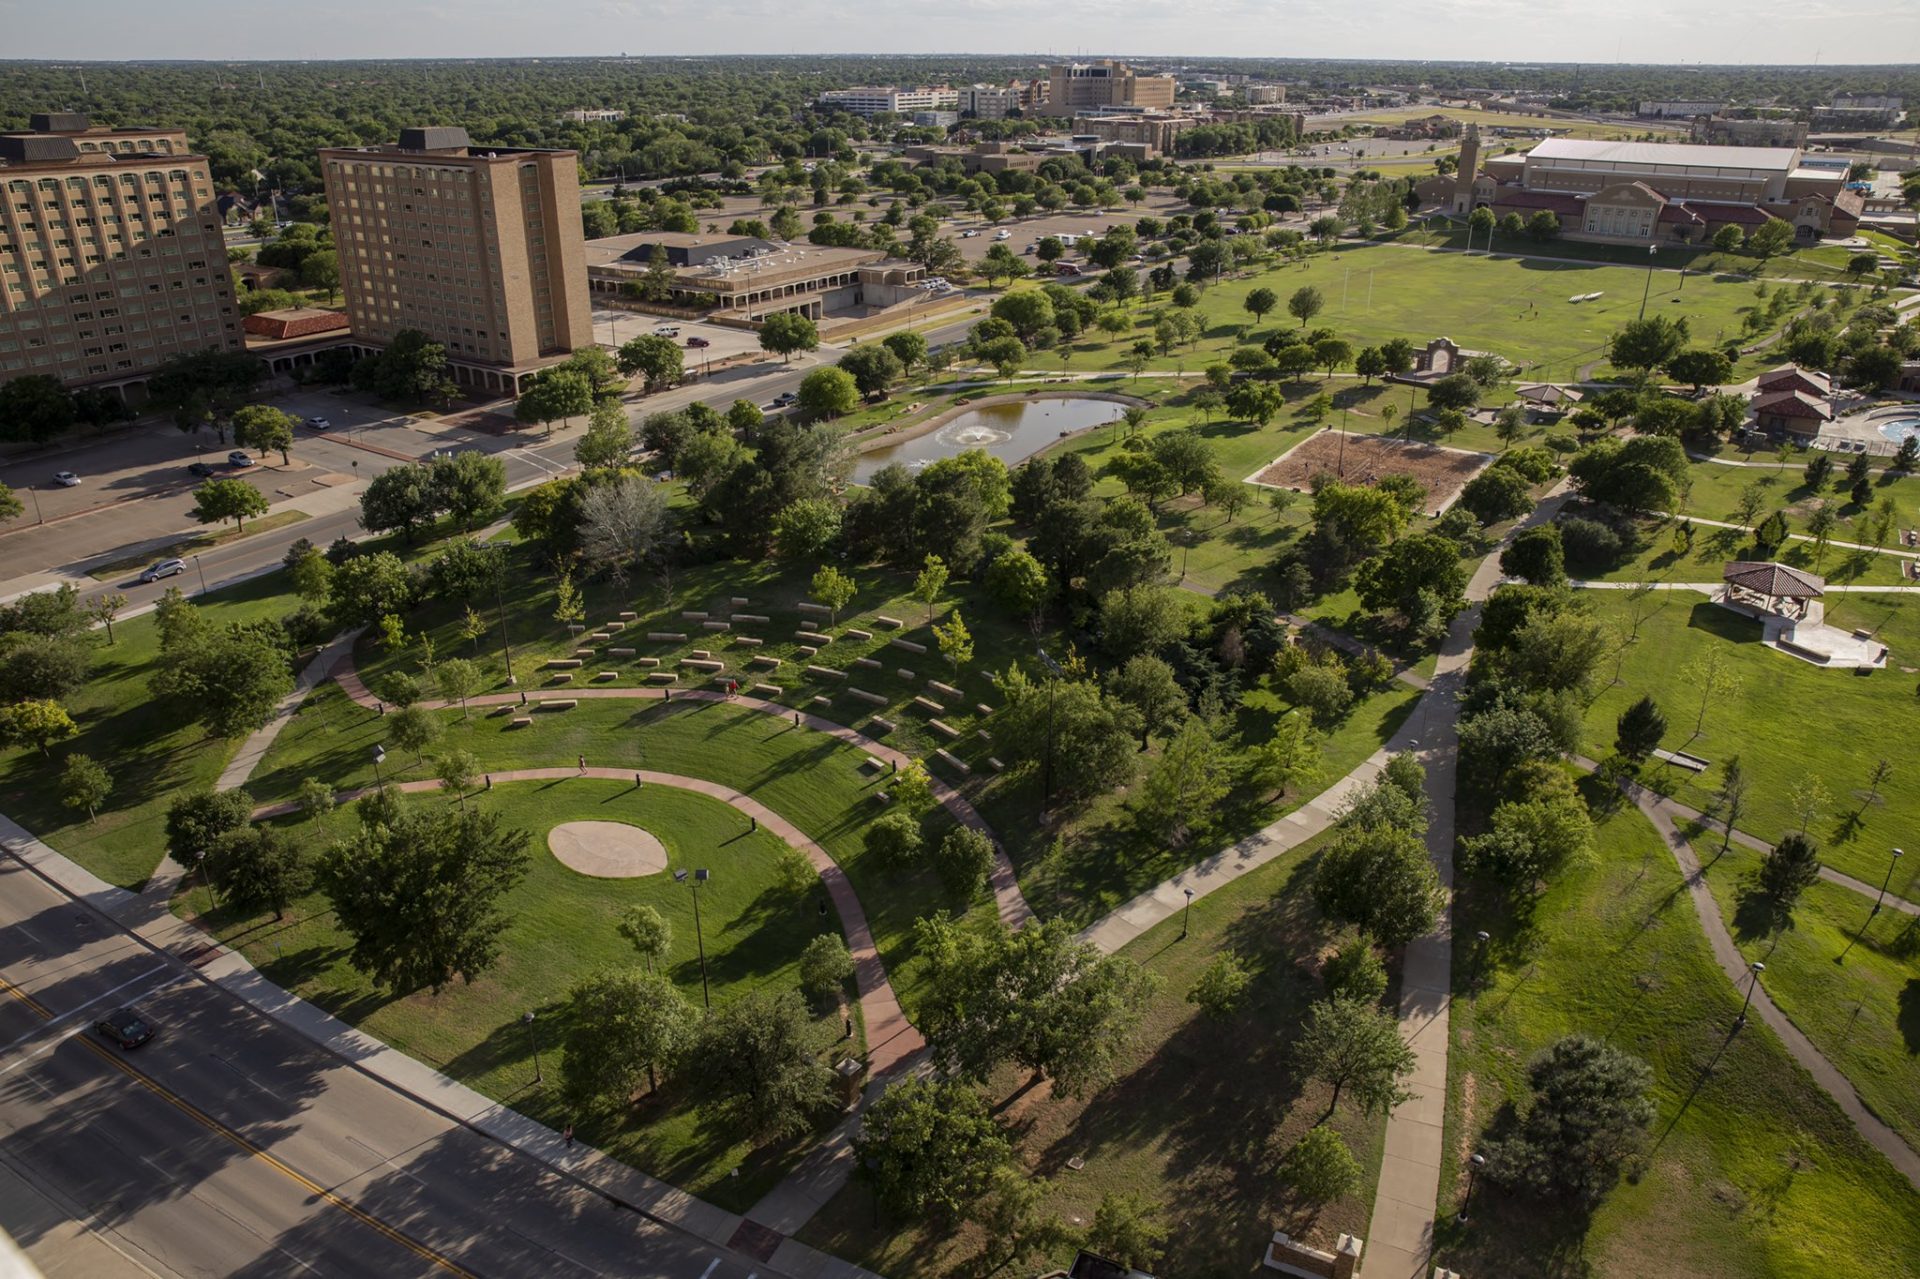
pixel 616 328
pixel 1026 231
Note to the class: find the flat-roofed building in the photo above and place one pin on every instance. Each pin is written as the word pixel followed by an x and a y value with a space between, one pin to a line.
pixel 1155 129
pixel 743 277
pixel 1767 131
pixel 1079 86
pixel 870 100
pixel 479 248
pixel 594 115
pixel 111 255
pixel 1678 110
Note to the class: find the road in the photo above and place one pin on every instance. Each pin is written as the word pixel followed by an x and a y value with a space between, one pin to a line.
pixel 230 1145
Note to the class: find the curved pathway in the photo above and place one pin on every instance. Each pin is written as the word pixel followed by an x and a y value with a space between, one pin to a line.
pixel 1734 965
pixel 891 1039
pixel 1013 908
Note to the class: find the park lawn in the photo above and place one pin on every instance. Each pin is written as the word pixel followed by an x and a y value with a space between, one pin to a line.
pixel 142 742
pixel 813 780
pixel 562 930
pixel 1824 263
pixel 1562 126
pixel 1658 561
pixel 1850 989
pixel 1196 1120
pixel 1751 1168
pixel 1714 493
pixel 1787 720
pixel 1516 308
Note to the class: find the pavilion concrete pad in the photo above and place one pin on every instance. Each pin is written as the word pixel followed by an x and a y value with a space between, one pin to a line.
pixel 607 850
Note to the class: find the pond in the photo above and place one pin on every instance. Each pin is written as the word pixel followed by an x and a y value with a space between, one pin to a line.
pixel 1010 432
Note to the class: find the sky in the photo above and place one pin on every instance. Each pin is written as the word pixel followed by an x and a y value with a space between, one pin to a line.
pixel 1644 31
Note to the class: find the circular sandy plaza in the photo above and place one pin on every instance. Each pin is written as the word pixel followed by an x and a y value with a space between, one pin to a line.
pixel 607 850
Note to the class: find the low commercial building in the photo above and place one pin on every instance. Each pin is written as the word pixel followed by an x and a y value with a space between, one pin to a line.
pixel 935 119
pixel 593 115
pixel 1792 402
pixel 998 101
pixel 1771 131
pixel 1843 119
pixel 1155 129
pixel 981 157
pixel 871 100
pixel 743 277
pixel 1683 110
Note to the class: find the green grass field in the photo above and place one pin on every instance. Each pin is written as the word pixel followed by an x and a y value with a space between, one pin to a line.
pixel 1751 1169
pixel 562 930
pixel 1787 720
pixel 1196 1120
pixel 1851 986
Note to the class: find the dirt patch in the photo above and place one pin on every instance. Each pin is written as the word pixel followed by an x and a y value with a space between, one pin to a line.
pixel 1368 459
pixel 607 850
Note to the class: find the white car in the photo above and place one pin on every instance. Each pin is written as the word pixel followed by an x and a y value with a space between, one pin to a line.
pixel 1003 234
pixel 66 479
pixel 318 423
pixel 969 235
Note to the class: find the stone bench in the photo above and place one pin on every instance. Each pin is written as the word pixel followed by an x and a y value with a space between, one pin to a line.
pixel 928 704
pixel 667 637
pixel 854 633
pixel 716 626
pixel 566 705
pixel 649 661
pixel 867 662
pixel 763 660
pixel 812 637
pixel 738 600
pixel 583 652
pixel 628 616
pixel 767 690
pixel 600 636
pixel 747 641
pixel 808 606
pixel 825 672
pixel 1680 759
pixel 759 618
pixel 996 765
pixel 821 701
pixel 806 650
pixel 702 653
pixel 604 676
pixel 691 615
pixel 891 623
pixel 520 721
pixel 664 677
pixel 983 708
pixel 945 690
pixel 879 725
pixel 909 645
pixel 865 696
pixel 877 765
pixel 983 734
pixel 564 677
pixel 943 728
pixel 953 761
pixel 564 664
pixel 702 664
pixel 620 652
pixel 614 626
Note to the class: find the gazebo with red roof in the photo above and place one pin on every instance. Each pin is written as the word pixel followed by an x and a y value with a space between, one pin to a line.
pixel 1773 588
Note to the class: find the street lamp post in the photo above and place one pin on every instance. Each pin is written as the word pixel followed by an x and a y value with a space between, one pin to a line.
pixel 1757 968
pixel 1481 939
pixel 533 1037
pixel 1474 1165
pixel 699 877
pixel 202 570
pixel 37 517
pixel 1187 918
pixel 500 613
pixel 379 758
pixel 1891 863
pixel 1652 251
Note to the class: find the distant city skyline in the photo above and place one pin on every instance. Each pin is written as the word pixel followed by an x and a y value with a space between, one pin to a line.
pixel 1514 31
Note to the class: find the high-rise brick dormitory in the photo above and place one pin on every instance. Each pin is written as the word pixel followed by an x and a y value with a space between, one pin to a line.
pixel 479 248
pixel 111 256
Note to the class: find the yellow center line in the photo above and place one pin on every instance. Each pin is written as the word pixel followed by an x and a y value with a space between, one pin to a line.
pixel 215 1126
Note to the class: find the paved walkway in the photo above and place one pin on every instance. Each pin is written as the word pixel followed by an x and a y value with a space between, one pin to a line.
pixel 1012 906
pixel 1734 965
pixel 1800 537
pixel 891 1039
pixel 623 1187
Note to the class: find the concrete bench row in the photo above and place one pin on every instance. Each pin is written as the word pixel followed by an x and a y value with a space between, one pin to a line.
pixel 767 690
pixel 891 623
pixel 825 672
pixel 858 634
pixel 717 626
pixel 812 637
pixel 928 704
pixel 945 690
pixel 943 728
pixel 953 761
pixel 808 606
pixel 752 617
pixel 564 664
pixel 909 645
pixel 865 696
pixel 747 641
pixel 699 664
pixel 763 660
pixel 667 637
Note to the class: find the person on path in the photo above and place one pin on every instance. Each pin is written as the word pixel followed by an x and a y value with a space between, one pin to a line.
pixel 568 1136
pixel 583 765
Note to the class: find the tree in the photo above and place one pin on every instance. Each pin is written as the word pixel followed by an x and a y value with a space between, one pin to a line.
pixel 647 931
pixel 401 497
pixel 1381 880
pixel 1221 987
pixel 1790 868
pixel 1535 556
pixel 608 439
pixel 455 770
pixel 1543 226
pixel 229 682
pixel 1349 1044
pixel 1647 344
pixel 825 964
pixel 45 667
pixel 321 270
pixel 12 509
pixel 263 427
pixel 1126 1229
pixel 786 332
pixel 315 798
pixel 828 393
pixel 1305 303
pixel 1355 972
pixel 1639 730
pixel 196 821
pixel 84 784
pixel 34 408
pixel 218 500
pixel 1320 1167
pixel 894 840
pixel 763 1065
pixel 873 367
pixel 418 891
pixel 1140 619
pixel 1497 494
pixel 1700 366
pixel 955 641
pixel 1771 237
pixel 1018 582
pixel 1588 1119
pixel 963 861
pixel 1185 784
pixel 908 347
pixel 1729 238
pixel 1289 755
pixel 412 729
pixel 654 357
pixel 1147 684
pixel 929 1148
pixel 554 395
pixel 622 522
pixel 621 1024
pixel 1714 678
pixel 1454 391
pixel 258 868
pixel 469 485
pixel 1260 301
pixel 1419 562
pixel 929 583
pixel 1010 1216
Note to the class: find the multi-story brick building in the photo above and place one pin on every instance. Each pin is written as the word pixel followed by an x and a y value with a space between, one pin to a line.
pixel 111 257
pixel 1083 86
pixel 480 248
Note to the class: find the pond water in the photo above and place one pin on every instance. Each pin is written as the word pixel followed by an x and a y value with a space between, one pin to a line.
pixel 1010 432
pixel 1900 428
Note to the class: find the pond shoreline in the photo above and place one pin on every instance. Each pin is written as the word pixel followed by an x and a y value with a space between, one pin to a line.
pixel 951 414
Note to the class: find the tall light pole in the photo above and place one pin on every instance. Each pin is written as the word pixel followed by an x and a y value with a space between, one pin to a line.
pixel 201 568
pixel 1474 1164
pixel 500 613
pixel 1652 250
pixel 379 758
pixel 1891 863
pixel 1187 918
pixel 1756 968
pixel 699 877
pixel 533 1037
pixel 37 517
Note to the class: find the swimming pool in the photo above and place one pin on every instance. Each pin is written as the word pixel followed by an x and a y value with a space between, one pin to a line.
pixel 1900 429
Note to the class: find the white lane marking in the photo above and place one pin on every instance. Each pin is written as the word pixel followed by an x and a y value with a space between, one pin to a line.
pixel 76 1010
pixel 28 934
pixel 711 1267
pixel 245 1078
pixel 387 1162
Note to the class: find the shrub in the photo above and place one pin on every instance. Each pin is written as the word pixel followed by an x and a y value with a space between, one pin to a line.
pixel 1590 546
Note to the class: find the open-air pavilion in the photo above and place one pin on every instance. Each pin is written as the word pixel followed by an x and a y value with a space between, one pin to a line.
pixel 1788 604
pixel 1778 589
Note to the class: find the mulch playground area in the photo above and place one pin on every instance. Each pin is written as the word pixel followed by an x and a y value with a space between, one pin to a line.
pixel 1367 459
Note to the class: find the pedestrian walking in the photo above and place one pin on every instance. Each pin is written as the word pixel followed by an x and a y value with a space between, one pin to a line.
pixel 568 1135
pixel 756 823
pixel 583 764
pixel 849 1028
pixel 523 697
pixel 636 781
pixel 489 781
pixel 382 705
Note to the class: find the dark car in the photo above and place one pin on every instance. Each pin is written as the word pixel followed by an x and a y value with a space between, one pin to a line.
pixel 697 342
pixel 201 469
pixel 125 1027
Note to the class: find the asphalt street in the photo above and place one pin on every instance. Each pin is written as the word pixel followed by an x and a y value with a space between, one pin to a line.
pixel 230 1145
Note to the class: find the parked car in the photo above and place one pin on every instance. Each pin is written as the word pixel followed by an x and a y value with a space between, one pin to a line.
pixel 201 469
pixel 969 235
pixel 1003 234
pixel 783 399
pixel 318 423
pixel 162 568
pixel 125 1027
pixel 66 479
pixel 239 459
pixel 1065 268
pixel 698 342
pixel 667 331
